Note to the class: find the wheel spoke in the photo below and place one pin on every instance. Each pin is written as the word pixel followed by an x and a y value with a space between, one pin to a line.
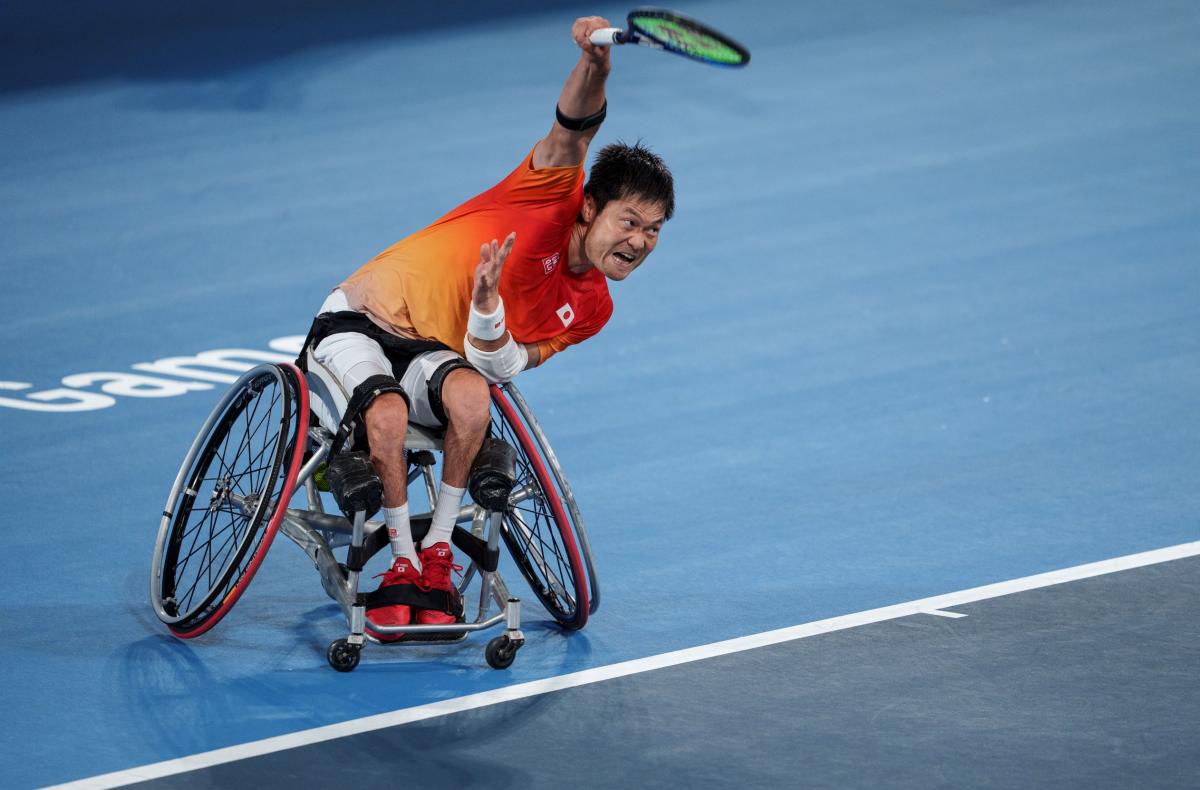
pixel 533 535
pixel 528 535
pixel 211 545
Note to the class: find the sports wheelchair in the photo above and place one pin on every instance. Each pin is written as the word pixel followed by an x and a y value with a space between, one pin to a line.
pixel 272 434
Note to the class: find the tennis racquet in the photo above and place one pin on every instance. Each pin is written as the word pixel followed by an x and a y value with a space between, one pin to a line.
pixel 673 32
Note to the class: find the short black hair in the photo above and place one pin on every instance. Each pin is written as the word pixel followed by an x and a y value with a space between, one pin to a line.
pixel 622 170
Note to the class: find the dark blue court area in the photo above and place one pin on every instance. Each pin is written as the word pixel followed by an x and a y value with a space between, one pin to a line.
pixel 927 319
pixel 1068 685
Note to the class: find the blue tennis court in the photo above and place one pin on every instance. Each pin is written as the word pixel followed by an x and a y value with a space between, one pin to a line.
pixel 927 320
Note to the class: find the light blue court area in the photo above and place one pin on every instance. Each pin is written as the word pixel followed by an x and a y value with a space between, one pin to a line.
pixel 928 318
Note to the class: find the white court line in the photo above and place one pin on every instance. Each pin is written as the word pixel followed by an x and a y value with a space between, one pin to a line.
pixel 940 613
pixel 597 674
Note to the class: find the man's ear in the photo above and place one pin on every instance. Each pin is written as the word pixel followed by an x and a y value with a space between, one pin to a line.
pixel 589 209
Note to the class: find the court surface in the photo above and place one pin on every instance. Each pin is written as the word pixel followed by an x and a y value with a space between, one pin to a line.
pixel 927 319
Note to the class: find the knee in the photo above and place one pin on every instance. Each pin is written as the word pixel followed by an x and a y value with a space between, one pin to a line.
pixel 387 423
pixel 467 400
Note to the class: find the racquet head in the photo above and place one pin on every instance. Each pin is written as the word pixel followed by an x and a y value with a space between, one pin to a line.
pixel 685 36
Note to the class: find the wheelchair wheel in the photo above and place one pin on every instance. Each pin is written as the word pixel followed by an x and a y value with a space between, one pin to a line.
pixel 563 489
pixel 229 499
pixel 536 529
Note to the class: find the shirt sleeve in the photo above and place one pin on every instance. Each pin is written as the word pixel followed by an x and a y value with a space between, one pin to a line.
pixel 544 186
pixel 575 334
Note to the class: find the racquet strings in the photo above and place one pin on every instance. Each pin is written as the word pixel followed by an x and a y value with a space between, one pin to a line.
pixel 689 39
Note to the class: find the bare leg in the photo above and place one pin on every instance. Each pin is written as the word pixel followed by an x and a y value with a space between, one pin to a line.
pixel 467 402
pixel 387 424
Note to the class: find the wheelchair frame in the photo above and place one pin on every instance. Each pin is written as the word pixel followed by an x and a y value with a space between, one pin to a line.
pixel 294 454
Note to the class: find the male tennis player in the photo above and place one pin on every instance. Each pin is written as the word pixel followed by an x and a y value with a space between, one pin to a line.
pixel 444 315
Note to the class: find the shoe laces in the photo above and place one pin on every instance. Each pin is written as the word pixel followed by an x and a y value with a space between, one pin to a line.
pixel 439 566
pixel 411 576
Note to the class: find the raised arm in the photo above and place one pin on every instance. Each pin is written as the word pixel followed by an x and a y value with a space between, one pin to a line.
pixel 582 97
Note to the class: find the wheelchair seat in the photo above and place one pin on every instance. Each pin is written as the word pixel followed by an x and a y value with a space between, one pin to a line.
pixel 328 399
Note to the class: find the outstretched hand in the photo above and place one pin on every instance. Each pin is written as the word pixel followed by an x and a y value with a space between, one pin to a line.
pixel 486 293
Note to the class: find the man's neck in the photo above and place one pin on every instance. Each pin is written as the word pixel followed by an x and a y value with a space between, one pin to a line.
pixel 577 262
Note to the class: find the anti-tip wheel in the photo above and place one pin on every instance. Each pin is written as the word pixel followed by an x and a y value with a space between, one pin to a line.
pixel 343 656
pixel 500 652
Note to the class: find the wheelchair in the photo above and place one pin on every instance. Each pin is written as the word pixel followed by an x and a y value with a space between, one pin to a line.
pixel 272 434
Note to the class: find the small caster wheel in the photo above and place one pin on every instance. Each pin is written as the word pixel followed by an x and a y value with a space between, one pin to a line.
pixel 343 656
pixel 500 652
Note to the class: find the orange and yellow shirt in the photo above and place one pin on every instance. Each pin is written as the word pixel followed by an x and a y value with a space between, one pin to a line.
pixel 420 287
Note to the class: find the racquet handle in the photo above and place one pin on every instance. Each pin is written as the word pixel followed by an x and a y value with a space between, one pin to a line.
pixel 607 36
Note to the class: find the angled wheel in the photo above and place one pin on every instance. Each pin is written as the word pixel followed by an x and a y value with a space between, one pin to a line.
pixel 229 499
pixel 343 656
pixel 500 652
pixel 537 530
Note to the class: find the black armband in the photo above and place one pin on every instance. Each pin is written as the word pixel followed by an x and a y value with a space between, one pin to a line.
pixel 581 124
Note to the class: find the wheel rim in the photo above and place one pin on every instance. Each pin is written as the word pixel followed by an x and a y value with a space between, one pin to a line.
pixel 562 489
pixel 228 491
pixel 536 529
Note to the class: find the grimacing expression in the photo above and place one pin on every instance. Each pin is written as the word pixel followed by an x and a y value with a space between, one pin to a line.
pixel 621 235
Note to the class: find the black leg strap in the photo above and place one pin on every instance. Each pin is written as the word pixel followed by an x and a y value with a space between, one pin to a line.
pixel 438 379
pixel 411 595
pixel 362 397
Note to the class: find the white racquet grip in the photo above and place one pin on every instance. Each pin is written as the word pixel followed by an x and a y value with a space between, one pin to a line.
pixel 487 327
pixel 605 36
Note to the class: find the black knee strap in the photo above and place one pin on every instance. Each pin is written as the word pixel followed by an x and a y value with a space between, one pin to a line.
pixel 448 601
pixel 362 397
pixel 438 379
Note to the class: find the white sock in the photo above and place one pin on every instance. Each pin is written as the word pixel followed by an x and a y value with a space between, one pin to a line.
pixel 445 514
pixel 400 534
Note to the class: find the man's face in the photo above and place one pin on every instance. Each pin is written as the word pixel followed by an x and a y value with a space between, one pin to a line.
pixel 621 236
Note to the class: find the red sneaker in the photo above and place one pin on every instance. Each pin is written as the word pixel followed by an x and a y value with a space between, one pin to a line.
pixel 401 572
pixel 436 564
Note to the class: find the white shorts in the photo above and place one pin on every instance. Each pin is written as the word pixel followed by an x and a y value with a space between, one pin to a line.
pixel 351 358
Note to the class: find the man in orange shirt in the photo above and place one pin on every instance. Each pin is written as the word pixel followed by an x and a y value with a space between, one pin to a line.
pixel 429 313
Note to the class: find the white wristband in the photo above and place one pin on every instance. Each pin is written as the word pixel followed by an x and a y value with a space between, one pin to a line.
pixel 487 327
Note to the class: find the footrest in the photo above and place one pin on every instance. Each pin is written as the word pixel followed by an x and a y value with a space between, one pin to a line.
pixel 441 637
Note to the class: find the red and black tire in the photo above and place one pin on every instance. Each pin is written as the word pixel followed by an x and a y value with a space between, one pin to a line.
pixel 537 530
pixel 229 499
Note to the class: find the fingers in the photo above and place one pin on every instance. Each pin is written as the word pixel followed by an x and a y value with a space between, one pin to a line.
pixel 487 274
pixel 583 28
pixel 496 253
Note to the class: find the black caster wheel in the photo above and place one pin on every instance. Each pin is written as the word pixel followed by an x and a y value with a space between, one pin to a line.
pixel 500 652
pixel 343 656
